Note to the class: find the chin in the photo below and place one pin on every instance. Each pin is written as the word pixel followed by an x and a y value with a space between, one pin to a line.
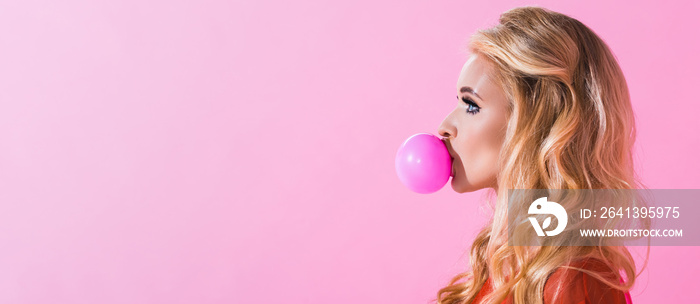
pixel 460 186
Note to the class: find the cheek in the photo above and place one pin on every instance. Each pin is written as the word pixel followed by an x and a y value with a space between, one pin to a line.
pixel 481 149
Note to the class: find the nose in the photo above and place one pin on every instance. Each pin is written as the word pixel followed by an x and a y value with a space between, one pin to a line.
pixel 446 131
pixel 446 136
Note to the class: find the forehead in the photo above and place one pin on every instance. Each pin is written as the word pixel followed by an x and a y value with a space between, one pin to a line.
pixel 475 73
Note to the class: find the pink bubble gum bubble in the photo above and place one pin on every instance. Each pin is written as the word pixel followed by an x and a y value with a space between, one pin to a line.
pixel 423 163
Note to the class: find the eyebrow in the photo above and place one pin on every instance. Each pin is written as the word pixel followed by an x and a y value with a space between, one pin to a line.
pixel 469 90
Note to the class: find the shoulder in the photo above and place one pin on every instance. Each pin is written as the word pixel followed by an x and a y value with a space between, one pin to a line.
pixel 571 286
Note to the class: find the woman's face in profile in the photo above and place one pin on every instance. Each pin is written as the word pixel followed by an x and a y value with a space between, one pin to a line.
pixel 474 131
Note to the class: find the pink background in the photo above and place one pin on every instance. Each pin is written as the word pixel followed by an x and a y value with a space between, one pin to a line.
pixel 243 151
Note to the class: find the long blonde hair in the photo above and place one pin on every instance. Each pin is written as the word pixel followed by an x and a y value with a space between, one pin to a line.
pixel 571 126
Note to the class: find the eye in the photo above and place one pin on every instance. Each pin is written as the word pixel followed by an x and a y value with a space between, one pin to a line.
pixel 472 107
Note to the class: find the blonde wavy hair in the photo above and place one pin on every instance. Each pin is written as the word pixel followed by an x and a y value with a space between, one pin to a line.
pixel 571 126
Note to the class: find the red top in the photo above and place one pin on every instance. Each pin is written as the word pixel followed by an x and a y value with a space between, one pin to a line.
pixel 577 287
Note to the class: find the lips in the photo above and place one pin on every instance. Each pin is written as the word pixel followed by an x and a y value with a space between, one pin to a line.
pixel 448 146
pixel 449 151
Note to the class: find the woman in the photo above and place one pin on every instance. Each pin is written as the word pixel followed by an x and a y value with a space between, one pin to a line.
pixel 542 104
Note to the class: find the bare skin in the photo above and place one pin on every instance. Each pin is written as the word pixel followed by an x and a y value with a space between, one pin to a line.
pixel 474 134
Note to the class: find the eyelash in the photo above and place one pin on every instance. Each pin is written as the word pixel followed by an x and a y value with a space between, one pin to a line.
pixel 470 103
